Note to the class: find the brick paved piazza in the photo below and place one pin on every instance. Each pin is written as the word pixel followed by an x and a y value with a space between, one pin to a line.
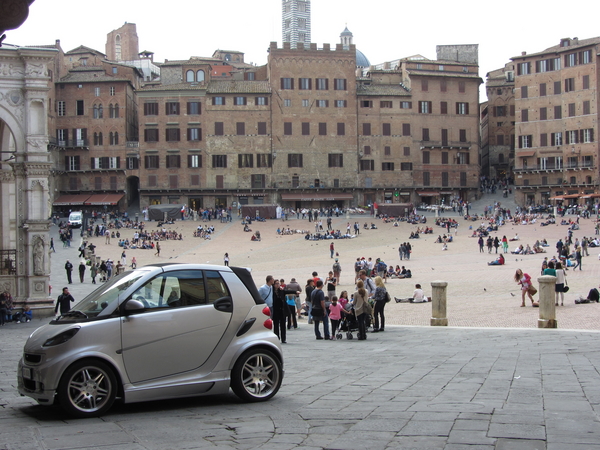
pixel 478 295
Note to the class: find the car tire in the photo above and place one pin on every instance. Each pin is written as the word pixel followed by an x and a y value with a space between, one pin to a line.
pixel 87 389
pixel 256 375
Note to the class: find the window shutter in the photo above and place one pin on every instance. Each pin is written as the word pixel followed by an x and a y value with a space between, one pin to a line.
pixel 118 162
pixel 240 160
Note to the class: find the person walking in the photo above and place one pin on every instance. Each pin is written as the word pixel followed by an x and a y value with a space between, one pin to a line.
pixel 3 309
pixel 310 286
pixel 64 302
pixel 52 245
pixel 360 300
pixel 157 249
pixel 94 272
pixel 280 309
pixel 109 268
pixel 294 308
pixel 336 310
pixel 266 292
pixel 331 284
pixel 319 313
pixel 81 271
pixel 337 269
pixel 69 270
pixel 331 250
pixel 559 287
pixel 481 244
pixel 504 244
pixel 380 297
pixel 496 243
pixel 124 259
pixel 226 260
pixel 578 257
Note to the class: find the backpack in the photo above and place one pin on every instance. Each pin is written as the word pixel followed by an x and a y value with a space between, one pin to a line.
pixel 337 267
pixel 357 266
pixel 381 267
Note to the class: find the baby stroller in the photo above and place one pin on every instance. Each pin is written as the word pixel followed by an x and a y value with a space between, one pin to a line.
pixel 349 324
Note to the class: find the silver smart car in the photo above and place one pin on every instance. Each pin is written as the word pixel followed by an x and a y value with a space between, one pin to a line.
pixel 159 332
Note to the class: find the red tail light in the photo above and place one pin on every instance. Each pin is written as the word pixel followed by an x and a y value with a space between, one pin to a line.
pixel 268 324
pixel 266 311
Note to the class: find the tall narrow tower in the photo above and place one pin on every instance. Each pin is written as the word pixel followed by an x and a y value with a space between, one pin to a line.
pixel 295 25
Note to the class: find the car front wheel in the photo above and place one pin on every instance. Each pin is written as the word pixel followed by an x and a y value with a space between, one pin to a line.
pixel 256 376
pixel 87 389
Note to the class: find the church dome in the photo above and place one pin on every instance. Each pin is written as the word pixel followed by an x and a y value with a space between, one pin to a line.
pixel 361 59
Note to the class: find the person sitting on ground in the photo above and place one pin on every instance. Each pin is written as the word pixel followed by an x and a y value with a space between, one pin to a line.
pixel 444 247
pixel 593 296
pixel 419 295
pixel 516 238
pixel 519 250
pixel 498 262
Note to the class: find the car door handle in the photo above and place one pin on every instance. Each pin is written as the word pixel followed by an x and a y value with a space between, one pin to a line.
pixel 224 304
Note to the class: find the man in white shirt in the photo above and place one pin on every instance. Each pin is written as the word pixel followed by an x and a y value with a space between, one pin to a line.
pixel 419 295
pixel 368 282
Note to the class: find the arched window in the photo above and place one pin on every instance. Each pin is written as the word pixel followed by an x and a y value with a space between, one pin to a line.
pixel 111 138
pixel 100 139
pixel 189 76
pixel 100 112
pixel 95 109
pixel 95 138
pixel 117 111
pixel 118 47
pixel 116 138
pixel 111 111
pixel 200 76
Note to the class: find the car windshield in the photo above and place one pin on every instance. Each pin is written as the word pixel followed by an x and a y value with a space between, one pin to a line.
pixel 102 298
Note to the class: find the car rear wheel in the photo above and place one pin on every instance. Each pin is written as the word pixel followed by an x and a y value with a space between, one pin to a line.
pixel 256 376
pixel 87 389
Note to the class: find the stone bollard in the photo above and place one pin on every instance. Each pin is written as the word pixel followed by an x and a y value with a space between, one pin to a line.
pixel 547 302
pixel 438 304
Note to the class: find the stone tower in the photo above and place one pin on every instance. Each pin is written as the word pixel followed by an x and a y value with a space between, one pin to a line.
pixel 122 44
pixel 295 25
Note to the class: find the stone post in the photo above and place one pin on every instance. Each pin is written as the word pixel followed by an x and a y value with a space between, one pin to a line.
pixel 547 300
pixel 438 304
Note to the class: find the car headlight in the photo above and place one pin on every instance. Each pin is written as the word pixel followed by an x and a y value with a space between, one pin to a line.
pixel 62 337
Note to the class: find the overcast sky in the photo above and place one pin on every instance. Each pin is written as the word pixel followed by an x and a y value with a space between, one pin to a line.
pixel 383 30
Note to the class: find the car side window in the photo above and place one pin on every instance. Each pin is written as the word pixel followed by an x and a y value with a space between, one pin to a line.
pixel 183 288
pixel 215 285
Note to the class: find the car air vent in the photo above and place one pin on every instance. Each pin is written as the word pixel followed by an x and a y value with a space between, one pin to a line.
pixel 33 359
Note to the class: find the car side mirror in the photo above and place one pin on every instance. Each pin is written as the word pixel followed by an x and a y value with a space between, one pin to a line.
pixel 133 307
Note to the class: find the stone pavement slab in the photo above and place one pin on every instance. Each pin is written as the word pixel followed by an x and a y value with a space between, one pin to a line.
pixel 410 387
